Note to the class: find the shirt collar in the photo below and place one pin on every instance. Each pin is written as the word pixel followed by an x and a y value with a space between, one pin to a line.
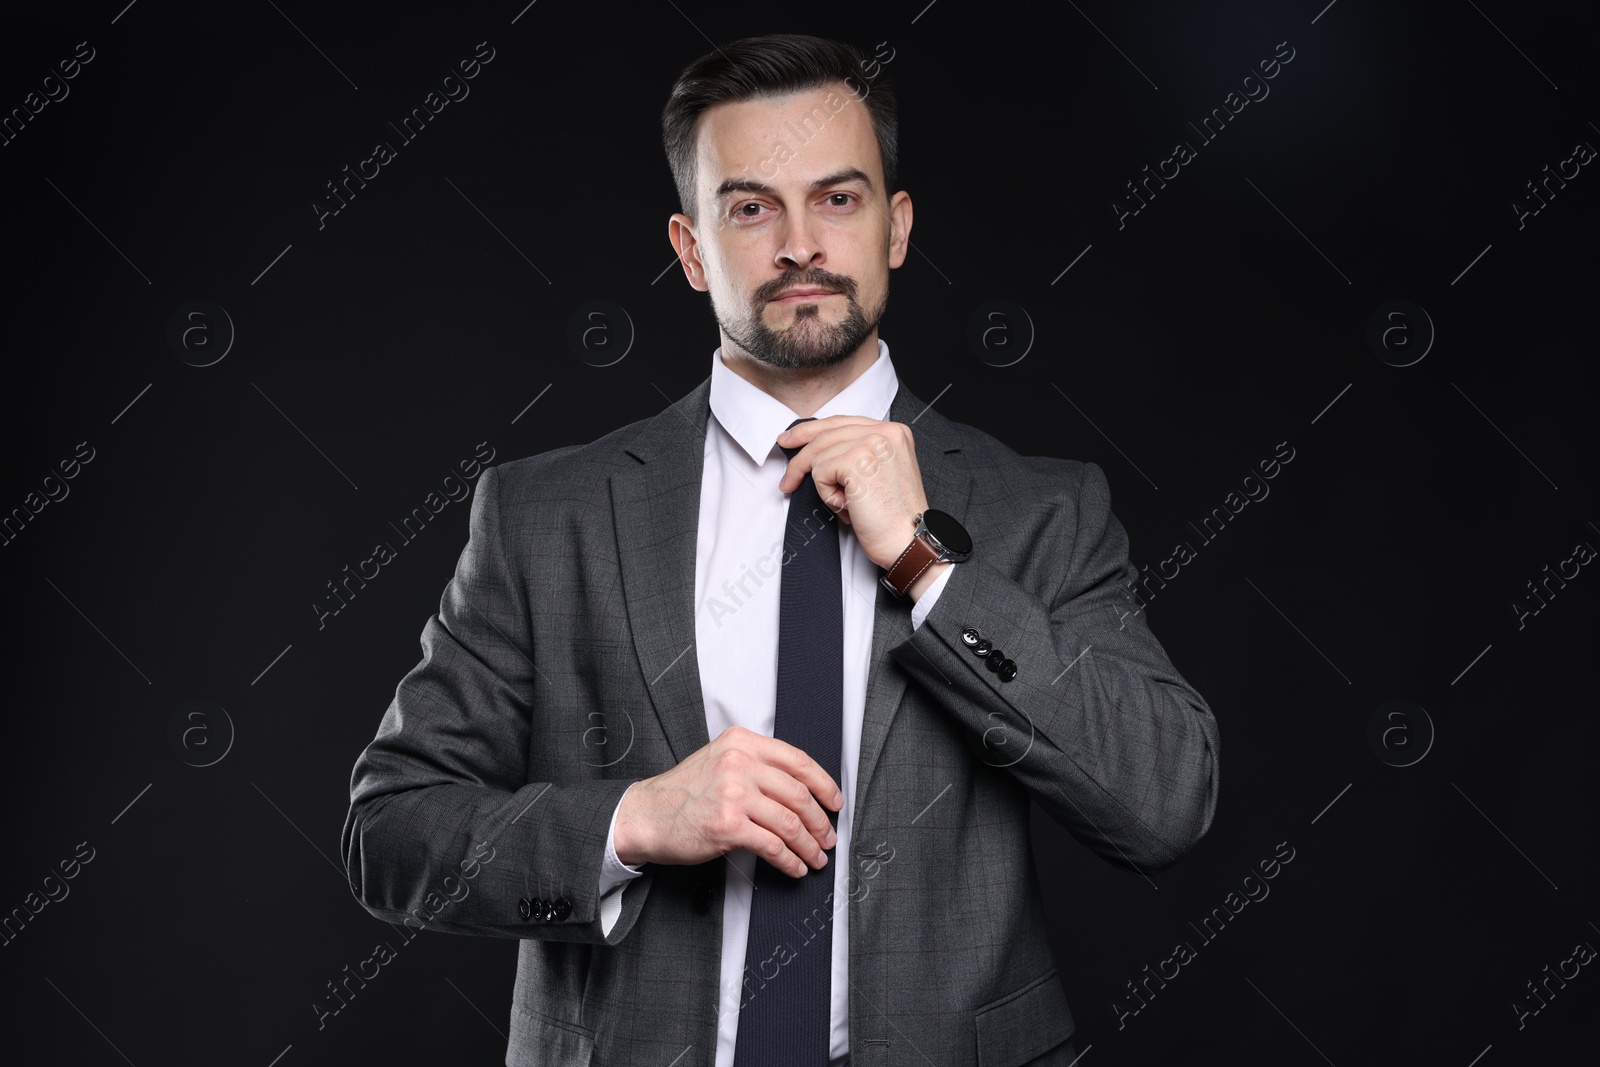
pixel 755 418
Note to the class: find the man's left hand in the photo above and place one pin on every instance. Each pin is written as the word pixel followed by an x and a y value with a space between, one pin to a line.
pixel 866 473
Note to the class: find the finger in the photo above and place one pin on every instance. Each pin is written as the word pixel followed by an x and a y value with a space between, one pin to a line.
pixel 803 432
pixel 816 463
pixel 787 790
pixel 796 839
pixel 833 468
pixel 823 432
pixel 799 764
pixel 839 454
pixel 767 845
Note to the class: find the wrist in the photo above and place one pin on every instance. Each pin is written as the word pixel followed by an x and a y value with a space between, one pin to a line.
pixel 624 835
pixel 937 540
pixel 926 579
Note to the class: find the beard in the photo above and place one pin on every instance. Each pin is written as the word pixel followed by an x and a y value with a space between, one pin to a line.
pixel 807 342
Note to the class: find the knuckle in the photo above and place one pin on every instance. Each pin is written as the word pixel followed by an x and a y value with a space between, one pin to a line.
pixel 725 819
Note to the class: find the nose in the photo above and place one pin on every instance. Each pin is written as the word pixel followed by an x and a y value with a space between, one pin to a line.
pixel 798 246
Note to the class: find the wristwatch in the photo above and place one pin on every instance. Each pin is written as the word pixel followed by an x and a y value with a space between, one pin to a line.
pixel 938 538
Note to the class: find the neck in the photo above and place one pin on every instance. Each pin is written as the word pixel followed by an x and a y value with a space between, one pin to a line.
pixel 801 390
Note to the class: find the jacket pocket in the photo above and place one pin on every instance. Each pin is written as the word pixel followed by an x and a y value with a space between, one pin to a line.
pixel 1023 1025
pixel 538 1041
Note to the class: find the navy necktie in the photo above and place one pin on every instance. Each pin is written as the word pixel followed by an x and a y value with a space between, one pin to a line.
pixel 784 1017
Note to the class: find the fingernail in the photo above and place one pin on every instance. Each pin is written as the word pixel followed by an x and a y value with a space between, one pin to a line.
pixel 832 838
pixel 838 799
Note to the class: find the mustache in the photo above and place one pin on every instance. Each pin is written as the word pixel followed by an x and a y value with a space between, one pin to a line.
pixel 821 279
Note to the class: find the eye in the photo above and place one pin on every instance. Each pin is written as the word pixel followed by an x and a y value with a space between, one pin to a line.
pixel 749 209
pixel 836 198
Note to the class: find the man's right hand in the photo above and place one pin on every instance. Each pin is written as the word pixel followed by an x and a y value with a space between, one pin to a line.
pixel 743 790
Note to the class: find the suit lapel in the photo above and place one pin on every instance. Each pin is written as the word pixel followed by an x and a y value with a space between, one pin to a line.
pixel 948 488
pixel 655 496
pixel 655 505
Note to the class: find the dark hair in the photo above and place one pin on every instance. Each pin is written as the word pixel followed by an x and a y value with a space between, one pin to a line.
pixel 772 65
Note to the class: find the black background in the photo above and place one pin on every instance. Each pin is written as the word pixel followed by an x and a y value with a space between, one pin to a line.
pixel 1197 337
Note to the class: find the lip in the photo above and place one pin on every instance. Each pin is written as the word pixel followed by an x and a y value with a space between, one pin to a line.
pixel 797 295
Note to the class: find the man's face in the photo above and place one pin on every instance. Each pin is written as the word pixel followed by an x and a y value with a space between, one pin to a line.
pixel 795 236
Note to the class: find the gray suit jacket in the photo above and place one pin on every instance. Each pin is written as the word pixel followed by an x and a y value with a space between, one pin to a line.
pixel 560 669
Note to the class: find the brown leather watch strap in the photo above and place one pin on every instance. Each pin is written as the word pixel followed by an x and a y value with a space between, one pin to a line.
pixel 918 557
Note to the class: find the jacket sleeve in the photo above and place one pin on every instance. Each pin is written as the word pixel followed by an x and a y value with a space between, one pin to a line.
pixel 1097 724
pixel 445 832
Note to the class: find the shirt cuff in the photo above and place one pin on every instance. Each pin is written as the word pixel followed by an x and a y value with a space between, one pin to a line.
pixel 613 872
pixel 924 604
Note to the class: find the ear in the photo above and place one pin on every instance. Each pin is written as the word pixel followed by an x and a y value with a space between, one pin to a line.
pixel 899 228
pixel 680 231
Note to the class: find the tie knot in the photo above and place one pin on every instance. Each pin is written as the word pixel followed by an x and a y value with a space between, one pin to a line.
pixel 788 450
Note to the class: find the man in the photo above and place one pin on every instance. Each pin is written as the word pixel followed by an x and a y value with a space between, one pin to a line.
pixel 738 747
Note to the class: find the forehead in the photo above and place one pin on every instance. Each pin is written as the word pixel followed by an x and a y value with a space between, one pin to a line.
pixel 786 140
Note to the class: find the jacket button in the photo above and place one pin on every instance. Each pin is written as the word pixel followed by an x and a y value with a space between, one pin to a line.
pixel 525 908
pixel 995 659
pixel 1008 671
pixel 983 647
pixel 969 637
pixel 563 908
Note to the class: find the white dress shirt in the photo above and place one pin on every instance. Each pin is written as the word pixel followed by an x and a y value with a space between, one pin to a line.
pixel 737 564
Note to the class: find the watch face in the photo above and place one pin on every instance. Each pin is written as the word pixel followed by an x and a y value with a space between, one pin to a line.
pixel 948 532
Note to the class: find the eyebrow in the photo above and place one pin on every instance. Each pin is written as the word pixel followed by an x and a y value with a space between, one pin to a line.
pixel 750 185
